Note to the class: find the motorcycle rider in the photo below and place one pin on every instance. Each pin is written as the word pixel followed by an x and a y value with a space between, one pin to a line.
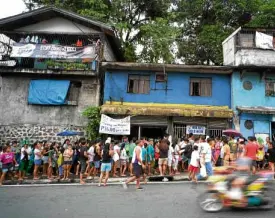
pixel 240 179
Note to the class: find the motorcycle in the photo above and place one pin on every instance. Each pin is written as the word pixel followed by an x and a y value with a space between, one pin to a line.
pixel 255 194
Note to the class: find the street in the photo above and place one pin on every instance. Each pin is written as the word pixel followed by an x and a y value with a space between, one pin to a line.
pixel 156 200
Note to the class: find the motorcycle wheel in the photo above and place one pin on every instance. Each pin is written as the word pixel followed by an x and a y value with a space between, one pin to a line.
pixel 209 202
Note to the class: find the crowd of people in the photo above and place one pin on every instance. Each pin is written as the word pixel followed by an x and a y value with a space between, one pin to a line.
pixel 136 158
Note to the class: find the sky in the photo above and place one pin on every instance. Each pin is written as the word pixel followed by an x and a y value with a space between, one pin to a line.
pixel 11 7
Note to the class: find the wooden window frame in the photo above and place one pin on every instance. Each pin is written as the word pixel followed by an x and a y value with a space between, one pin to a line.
pixel 270 88
pixel 200 80
pixel 140 79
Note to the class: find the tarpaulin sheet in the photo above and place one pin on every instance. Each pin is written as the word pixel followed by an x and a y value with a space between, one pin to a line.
pixel 48 92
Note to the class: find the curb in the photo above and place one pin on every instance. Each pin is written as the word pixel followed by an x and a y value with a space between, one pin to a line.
pixel 96 184
pixel 77 181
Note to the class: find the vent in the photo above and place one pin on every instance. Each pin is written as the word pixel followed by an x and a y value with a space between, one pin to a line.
pixel 248 124
pixel 247 85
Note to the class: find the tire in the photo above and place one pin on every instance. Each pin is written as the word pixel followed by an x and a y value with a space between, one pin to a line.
pixel 209 203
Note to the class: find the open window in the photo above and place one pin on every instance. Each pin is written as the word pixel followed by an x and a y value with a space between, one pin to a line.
pixel 139 84
pixel 201 87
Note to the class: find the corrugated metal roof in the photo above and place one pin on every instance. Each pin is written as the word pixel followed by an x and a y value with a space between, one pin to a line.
pixel 257 109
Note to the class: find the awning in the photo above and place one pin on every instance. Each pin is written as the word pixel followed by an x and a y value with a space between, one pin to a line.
pixel 154 109
pixel 257 110
pixel 48 92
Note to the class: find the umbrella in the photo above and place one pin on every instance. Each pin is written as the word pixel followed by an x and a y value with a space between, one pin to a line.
pixel 68 133
pixel 232 132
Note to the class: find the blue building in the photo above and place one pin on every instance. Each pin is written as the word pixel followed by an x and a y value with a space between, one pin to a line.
pixel 250 52
pixel 177 99
pixel 253 101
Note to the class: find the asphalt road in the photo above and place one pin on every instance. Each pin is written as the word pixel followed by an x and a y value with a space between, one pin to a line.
pixel 158 200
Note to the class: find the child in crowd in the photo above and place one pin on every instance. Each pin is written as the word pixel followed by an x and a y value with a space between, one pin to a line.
pixel 8 160
pixel 194 164
pixel 60 162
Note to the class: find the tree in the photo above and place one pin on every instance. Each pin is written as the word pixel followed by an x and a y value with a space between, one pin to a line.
pixel 129 17
pixel 206 23
pixel 93 116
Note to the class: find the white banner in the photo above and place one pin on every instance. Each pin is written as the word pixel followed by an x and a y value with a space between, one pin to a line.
pixel 196 130
pixel 112 126
pixel 264 41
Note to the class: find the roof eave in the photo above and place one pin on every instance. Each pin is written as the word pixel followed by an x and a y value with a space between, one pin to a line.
pixel 166 67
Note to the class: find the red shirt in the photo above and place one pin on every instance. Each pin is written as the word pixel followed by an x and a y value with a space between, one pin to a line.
pixel 251 150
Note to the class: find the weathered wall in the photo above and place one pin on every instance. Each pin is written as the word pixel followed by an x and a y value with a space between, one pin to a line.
pixel 229 52
pixel 178 89
pixel 15 111
pixel 250 98
pixel 254 57
pixel 34 133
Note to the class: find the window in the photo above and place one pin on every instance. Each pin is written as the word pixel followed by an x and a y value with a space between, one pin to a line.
pixel 201 87
pixel 73 93
pixel 270 88
pixel 161 77
pixel 139 84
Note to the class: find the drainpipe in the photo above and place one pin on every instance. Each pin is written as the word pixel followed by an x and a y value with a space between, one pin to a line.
pixel 139 132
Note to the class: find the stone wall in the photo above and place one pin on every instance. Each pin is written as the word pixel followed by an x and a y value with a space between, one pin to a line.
pixel 35 132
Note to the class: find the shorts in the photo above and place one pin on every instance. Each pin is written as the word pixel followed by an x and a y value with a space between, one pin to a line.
pixel 260 163
pixel 123 161
pixel 137 169
pixel 38 162
pixel 67 162
pixel 23 166
pixel 254 163
pixel 83 166
pixel 106 167
pixel 193 169
pixel 97 164
pixel 7 167
pixel 45 159
pixel 130 159
pixel 91 164
pixel 163 161
pixel 170 161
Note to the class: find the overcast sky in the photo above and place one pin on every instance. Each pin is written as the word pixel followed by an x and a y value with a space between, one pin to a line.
pixel 11 7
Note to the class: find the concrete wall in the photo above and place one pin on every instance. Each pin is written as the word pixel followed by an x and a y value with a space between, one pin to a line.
pixel 116 84
pixel 250 98
pixel 15 110
pixel 254 57
pixel 229 51
pixel 261 124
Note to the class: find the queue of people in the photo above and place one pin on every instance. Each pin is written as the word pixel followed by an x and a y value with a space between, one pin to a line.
pixel 136 158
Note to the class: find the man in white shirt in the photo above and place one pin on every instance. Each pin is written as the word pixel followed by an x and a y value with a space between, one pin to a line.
pixel 205 157
pixel 91 155
pixel 170 159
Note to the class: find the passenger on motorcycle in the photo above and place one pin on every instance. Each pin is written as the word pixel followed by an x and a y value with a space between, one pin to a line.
pixel 239 179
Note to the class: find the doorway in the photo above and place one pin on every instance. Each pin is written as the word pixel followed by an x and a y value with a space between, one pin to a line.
pixel 153 132
pixel 273 131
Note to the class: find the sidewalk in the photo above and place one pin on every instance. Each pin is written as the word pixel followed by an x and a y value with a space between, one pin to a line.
pixel 181 177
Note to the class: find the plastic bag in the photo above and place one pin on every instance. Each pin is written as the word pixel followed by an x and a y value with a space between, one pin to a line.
pixel 203 171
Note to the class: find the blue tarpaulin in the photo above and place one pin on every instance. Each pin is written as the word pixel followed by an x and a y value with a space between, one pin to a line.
pixel 68 133
pixel 48 92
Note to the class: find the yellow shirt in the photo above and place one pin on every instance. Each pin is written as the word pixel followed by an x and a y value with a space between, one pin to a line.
pixel 260 155
pixel 60 159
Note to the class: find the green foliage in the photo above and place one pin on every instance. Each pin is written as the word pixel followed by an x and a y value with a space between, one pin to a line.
pixel 93 116
pixel 201 27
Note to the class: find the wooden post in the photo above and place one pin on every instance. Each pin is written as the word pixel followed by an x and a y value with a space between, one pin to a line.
pixel 139 132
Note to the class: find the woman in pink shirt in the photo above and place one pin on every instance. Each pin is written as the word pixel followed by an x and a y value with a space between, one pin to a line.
pixel 7 159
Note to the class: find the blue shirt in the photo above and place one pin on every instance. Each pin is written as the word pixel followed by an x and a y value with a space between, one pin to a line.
pixel 150 151
pixel 144 154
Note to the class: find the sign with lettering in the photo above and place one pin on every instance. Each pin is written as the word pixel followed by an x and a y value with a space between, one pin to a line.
pixel 52 51
pixel 9 63
pixel 196 130
pixel 112 126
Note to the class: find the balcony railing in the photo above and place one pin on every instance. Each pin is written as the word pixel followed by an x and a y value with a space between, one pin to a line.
pixel 50 51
